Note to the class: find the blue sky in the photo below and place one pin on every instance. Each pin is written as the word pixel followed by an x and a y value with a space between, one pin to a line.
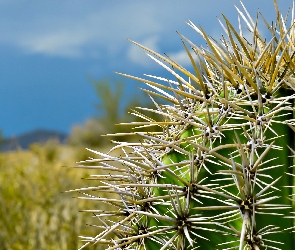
pixel 50 49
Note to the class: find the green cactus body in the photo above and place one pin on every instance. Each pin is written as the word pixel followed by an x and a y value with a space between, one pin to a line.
pixel 220 174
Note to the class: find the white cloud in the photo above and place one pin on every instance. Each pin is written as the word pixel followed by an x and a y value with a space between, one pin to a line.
pixel 55 44
pixel 64 33
pixel 72 28
pixel 138 55
pixel 181 57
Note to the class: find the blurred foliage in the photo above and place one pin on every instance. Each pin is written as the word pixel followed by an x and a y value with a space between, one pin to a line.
pixel 2 139
pixel 114 105
pixel 34 213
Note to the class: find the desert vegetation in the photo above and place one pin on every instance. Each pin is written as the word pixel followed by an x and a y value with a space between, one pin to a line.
pixel 35 211
pixel 208 164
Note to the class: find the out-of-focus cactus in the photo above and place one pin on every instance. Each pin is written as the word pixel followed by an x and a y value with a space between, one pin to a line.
pixel 219 175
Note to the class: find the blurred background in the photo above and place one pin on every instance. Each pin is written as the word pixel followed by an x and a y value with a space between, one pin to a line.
pixel 59 94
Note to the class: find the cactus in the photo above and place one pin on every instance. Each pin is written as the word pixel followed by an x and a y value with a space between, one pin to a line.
pixel 219 173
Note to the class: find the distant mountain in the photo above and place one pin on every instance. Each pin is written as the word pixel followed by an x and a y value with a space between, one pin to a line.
pixel 40 136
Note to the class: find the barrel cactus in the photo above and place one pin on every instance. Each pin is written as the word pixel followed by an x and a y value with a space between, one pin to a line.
pixel 218 174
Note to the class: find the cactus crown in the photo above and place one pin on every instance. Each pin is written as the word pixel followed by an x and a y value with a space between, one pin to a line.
pixel 219 173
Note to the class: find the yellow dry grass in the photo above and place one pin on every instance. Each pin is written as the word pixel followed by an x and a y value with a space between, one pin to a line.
pixel 34 211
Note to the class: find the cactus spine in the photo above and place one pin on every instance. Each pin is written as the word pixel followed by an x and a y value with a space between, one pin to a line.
pixel 219 173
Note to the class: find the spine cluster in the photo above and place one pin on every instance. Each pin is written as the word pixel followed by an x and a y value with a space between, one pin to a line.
pixel 219 173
